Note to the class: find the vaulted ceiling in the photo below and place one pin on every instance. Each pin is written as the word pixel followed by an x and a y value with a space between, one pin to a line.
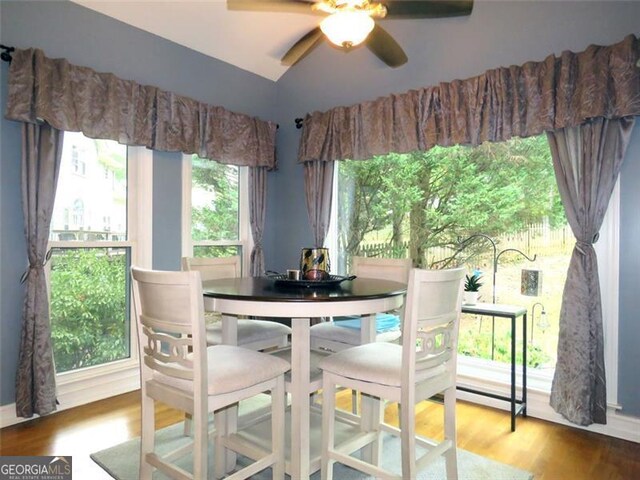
pixel 253 41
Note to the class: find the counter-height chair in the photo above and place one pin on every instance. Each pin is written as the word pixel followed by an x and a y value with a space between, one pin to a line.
pixel 423 366
pixel 253 334
pixel 178 369
pixel 344 332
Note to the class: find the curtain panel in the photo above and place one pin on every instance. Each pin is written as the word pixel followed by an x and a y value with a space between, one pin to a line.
pixel 101 105
pixel 559 92
pixel 36 376
pixel 587 161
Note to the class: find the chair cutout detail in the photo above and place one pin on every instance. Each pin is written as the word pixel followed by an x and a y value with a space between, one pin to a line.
pixel 424 367
pixel 253 334
pixel 178 369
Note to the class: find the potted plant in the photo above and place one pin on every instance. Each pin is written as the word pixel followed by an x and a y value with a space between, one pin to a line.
pixel 471 289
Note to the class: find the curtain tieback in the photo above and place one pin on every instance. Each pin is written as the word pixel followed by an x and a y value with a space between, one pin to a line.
pixel 35 266
pixel 583 246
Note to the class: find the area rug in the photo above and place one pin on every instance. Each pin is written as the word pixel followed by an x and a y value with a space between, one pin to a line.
pixel 122 462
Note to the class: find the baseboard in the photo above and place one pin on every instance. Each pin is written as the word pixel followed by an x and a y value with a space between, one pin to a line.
pixel 618 426
pixel 89 389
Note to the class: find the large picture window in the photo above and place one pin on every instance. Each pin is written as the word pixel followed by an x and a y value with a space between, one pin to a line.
pixel 427 205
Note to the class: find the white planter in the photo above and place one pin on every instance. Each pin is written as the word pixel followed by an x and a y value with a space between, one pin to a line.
pixel 470 298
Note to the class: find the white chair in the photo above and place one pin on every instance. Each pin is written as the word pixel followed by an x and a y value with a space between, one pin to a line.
pixel 333 337
pixel 178 369
pixel 253 334
pixel 424 366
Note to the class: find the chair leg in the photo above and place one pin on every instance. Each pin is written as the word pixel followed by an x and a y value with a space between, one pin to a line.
pixel 277 428
pixel 220 451
pixel 200 443
pixel 328 425
pixel 354 402
pixel 451 455
pixel 147 438
pixel 408 438
pixel 188 424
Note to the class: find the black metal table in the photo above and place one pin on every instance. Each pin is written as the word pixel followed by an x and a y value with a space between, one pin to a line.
pixel 518 406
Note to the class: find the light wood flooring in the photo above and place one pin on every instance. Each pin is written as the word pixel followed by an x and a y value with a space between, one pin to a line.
pixel 550 451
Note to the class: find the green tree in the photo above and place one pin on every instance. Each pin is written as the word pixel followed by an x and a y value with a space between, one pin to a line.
pixel 218 218
pixel 89 320
pixel 437 197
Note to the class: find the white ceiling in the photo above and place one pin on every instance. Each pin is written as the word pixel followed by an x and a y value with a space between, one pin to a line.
pixel 253 41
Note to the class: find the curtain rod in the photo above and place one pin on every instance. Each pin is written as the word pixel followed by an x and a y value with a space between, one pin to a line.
pixel 6 53
pixel 299 122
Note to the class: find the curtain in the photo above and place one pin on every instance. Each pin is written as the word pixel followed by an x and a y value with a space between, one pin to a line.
pixel 523 101
pixel 35 378
pixel 318 190
pixel 587 161
pixel 257 213
pixel 101 105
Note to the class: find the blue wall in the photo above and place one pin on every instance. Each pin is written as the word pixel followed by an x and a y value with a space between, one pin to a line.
pixel 84 37
pixel 497 34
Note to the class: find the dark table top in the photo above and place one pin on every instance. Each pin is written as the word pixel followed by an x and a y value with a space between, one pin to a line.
pixel 264 289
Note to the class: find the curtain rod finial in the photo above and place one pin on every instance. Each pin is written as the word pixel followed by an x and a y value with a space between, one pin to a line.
pixel 299 123
pixel 6 53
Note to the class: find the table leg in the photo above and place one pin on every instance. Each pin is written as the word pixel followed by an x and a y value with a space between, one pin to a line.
pixel 229 419
pixel 513 373
pixel 371 410
pixel 300 385
pixel 524 365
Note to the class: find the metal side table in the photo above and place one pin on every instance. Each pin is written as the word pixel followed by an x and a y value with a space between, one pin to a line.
pixel 518 406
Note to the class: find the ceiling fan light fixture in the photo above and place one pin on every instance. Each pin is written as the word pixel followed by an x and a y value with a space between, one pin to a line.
pixel 347 28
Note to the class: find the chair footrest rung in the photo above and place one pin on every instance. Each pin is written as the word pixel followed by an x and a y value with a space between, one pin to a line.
pixel 365 467
pixel 357 442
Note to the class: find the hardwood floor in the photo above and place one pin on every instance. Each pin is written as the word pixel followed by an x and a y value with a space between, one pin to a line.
pixel 550 451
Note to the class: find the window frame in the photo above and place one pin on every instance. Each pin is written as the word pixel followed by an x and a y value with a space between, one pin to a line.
pixel 494 376
pixel 245 238
pixel 85 385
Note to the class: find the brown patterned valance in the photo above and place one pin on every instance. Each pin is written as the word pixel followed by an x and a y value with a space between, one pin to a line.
pixel 101 105
pixel 519 101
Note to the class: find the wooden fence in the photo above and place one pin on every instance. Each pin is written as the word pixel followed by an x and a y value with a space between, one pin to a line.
pixel 538 239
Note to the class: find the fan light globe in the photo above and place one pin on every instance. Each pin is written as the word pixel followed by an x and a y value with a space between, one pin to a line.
pixel 347 28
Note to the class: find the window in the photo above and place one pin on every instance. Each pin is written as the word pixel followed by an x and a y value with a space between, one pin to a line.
pixel 424 205
pixel 88 267
pixel 215 209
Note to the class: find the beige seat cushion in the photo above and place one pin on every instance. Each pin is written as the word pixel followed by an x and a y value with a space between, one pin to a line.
pixel 232 368
pixel 351 336
pixel 373 362
pixel 376 363
pixel 249 331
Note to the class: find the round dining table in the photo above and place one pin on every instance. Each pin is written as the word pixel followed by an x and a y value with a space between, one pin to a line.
pixel 264 297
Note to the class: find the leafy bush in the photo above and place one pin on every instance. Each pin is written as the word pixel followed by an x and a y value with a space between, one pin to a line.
pixel 89 313
pixel 474 344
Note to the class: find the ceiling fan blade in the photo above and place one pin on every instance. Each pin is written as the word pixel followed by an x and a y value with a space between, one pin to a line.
pixel 385 47
pixel 427 8
pixel 302 47
pixel 286 6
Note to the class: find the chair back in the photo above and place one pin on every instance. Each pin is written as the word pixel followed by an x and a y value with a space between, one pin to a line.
pixel 431 321
pixel 213 268
pixel 394 269
pixel 169 310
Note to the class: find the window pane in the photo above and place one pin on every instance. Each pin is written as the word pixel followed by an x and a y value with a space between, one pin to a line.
pixel 89 306
pixel 91 197
pixel 214 201
pixel 422 205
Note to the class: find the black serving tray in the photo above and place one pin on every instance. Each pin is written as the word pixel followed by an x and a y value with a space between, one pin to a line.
pixel 282 280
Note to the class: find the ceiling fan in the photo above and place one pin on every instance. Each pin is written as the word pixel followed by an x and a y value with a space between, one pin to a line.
pixel 348 23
